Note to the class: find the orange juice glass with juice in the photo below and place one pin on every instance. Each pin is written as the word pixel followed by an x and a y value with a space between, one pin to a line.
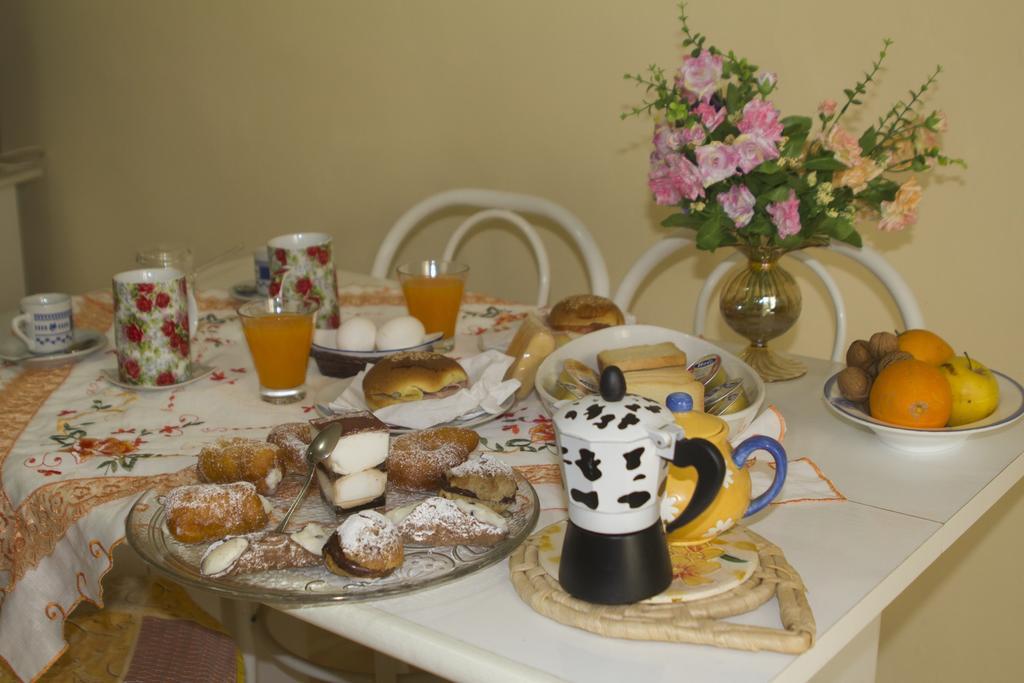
pixel 280 335
pixel 433 293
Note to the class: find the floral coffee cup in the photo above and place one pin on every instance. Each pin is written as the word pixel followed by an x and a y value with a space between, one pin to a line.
pixel 155 317
pixel 302 269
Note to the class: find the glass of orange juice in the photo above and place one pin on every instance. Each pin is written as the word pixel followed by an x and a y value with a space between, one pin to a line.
pixel 280 335
pixel 433 293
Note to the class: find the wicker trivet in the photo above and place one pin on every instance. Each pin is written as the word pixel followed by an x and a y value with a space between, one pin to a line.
pixel 691 622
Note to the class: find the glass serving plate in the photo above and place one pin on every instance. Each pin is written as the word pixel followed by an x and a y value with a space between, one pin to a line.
pixel 423 567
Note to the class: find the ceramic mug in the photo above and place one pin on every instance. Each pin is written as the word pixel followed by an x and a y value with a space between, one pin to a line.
pixel 45 324
pixel 155 317
pixel 302 269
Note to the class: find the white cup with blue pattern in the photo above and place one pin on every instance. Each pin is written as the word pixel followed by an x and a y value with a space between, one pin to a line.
pixel 45 324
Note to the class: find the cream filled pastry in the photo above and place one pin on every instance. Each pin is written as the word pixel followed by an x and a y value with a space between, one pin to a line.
pixel 359 490
pixel 363 444
pixel 439 521
pixel 256 553
pixel 240 459
pixel 367 544
pixel 483 479
pixel 207 512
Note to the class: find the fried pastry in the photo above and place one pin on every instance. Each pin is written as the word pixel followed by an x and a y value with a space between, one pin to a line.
pixel 293 438
pixel 259 553
pixel 418 461
pixel 439 521
pixel 483 479
pixel 208 512
pixel 239 459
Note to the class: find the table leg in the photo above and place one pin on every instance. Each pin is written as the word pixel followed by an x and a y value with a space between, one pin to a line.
pixel 237 617
pixel 857 662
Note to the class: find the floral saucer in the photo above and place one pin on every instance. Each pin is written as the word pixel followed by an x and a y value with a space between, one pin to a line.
pixel 199 371
pixel 698 571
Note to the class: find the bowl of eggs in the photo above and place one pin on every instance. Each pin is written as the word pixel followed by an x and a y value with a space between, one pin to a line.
pixel 346 351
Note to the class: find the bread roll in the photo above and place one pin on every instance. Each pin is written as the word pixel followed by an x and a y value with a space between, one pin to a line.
pixel 583 313
pixel 412 376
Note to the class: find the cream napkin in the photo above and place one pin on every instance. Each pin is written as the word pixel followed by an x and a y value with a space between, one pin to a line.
pixel 805 482
pixel 487 392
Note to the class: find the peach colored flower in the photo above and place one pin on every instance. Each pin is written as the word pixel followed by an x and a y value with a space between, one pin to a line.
pixel 843 145
pixel 827 107
pixel 902 211
pixel 858 176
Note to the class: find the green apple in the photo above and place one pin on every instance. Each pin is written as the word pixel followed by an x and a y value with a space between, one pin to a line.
pixel 975 389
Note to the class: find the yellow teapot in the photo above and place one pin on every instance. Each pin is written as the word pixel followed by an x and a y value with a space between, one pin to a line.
pixel 733 501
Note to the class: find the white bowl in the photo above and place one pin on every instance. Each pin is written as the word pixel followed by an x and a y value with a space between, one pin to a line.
pixel 1011 408
pixel 586 348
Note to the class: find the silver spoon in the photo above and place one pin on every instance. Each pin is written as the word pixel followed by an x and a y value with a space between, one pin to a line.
pixel 319 449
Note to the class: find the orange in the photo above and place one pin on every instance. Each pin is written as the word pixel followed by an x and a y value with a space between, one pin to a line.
pixel 911 393
pixel 926 346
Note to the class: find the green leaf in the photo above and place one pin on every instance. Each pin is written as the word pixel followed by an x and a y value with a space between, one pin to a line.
pixel 794 145
pixel 682 220
pixel 795 125
pixel 732 97
pixel 712 232
pixel 853 238
pixel 867 140
pixel 826 163
pixel 840 228
pixel 777 194
pixel 768 168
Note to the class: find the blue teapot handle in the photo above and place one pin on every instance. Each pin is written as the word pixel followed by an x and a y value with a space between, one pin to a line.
pixel 775 449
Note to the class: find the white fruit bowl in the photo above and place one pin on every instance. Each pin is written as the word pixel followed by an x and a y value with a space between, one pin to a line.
pixel 1011 408
pixel 586 348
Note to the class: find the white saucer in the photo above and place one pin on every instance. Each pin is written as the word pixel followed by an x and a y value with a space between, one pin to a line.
pixel 84 343
pixel 246 291
pixel 199 371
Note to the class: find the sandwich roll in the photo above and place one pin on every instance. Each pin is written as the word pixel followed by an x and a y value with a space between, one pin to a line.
pixel 412 376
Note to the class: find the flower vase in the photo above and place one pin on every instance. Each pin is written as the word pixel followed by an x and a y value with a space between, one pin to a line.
pixel 761 302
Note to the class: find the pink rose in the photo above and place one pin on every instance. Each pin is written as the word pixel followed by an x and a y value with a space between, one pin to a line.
pixel 761 118
pixel 716 161
pixel 699 75
pixel 694 135
pixel 674 179
pixel 738 203
pixel 752 151
pixel 843 145
pixel 827 107
pixel 786 215
pixel 667 140
pixel 902 211
pixel 709 116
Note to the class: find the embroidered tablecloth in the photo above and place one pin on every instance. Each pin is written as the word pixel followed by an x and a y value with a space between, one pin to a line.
pixel 76 451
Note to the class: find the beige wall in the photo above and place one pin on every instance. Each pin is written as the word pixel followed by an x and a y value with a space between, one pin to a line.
pixel 222 123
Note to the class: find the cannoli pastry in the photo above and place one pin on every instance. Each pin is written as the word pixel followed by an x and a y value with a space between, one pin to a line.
pixel 264 552
pixel 367 544
pixel 352 492
pixel 293 438
pixel 208 512
pixel 240 459
pixel 440 521
pixel 419 460
pixel 483 479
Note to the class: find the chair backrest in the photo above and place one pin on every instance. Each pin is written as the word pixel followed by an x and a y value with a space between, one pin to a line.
pixel 505 206
pixel 866 256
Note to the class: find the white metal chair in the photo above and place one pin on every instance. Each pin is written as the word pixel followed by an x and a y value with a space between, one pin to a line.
pixel 869 258
pixel 505 206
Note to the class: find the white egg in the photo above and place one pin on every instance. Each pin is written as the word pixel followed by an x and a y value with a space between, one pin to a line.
pixel 400 333
pixel 357 334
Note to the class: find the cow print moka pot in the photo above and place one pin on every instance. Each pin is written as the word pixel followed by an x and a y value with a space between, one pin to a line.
pixel 615 449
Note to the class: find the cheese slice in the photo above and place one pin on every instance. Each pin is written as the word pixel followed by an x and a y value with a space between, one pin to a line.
pixel 658 383
pixel 531 345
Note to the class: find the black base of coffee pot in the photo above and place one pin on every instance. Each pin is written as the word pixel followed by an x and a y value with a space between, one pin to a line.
pixel 614 569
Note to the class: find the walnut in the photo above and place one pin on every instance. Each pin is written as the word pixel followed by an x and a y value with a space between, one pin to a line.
pixel 882 344
pixel 854 384
pixel 859 355
pixel 891 358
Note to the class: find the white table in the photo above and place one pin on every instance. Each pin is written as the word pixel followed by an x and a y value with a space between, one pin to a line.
pixel 855 557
